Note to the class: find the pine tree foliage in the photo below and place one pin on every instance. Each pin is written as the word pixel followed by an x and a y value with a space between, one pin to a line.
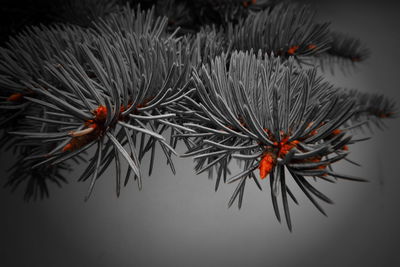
pixel 23 58
pixel 107 109
pixel 209 43
pixel 370 109
pixel 344 51
pixel 23 61
pixel 235 81
pixel 273 117
pixel 130 21
pixel 300 34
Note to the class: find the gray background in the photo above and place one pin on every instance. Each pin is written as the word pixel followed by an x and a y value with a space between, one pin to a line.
pixel 180 221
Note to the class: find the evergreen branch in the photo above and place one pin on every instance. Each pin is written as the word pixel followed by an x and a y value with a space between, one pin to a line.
pixel 127 21
pixel 265 95
pixel 370 109
pixel 301 36
pixel 88 86
pixel 225 77
pixel 344 51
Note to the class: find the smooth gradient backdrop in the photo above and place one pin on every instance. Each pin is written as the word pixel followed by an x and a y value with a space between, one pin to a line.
pixel 180 221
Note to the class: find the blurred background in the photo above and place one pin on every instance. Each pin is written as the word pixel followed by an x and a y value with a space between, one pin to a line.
pixel 180 221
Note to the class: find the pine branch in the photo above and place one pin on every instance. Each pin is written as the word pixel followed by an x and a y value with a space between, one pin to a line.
pixel 23 58
pixel 300 35
pixel 127 21
pixel 110 109
pixel 344 51
pixel 267 113
pixel 225 77
pixel 370 109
